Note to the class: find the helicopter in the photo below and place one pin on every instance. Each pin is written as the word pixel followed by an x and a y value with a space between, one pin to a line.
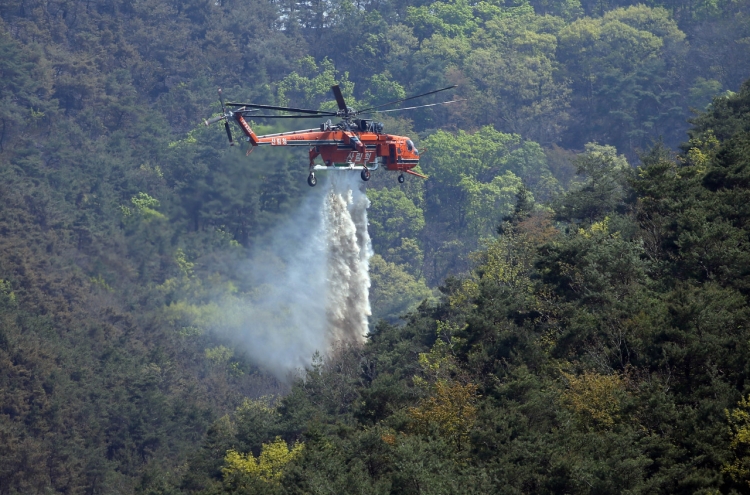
pixel 351 144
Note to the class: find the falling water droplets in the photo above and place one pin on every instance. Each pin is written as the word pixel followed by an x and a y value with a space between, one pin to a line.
pixel 349 251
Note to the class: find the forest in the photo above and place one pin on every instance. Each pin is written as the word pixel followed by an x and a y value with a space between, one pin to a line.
pixel 561 307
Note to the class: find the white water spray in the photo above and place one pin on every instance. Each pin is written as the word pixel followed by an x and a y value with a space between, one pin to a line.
pixel 312 281
pixel 349 252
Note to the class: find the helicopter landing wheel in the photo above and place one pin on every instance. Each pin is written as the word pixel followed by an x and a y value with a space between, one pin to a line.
pixel 365 175
pixel 401 179
pixel 311 180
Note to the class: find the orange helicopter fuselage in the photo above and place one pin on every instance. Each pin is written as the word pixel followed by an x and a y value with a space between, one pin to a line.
pixel 340 148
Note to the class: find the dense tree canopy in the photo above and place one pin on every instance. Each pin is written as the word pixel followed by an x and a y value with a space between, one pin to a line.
pixel 561 307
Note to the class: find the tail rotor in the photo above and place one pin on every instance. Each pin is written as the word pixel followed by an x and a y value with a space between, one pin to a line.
pixel 225 116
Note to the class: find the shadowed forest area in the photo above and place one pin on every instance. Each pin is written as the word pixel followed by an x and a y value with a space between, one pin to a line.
pixel 562 307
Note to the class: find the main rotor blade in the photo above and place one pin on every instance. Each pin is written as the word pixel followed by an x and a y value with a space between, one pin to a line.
pixel 339 97
pixel 419 106
pixel 221 99
pixel 283 109
pixel 286 116
pixel 229 133
pixel 409 98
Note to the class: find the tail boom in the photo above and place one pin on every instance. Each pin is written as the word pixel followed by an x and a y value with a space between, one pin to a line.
pixel 247 130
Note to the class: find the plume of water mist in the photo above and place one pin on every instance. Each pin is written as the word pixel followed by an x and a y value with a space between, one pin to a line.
pixel 311 282
pixel 349 252
pixel 282 322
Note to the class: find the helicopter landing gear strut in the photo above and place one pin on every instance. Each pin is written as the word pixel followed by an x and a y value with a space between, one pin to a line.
pixel 311 180
pixel 401 179
pixel 365 174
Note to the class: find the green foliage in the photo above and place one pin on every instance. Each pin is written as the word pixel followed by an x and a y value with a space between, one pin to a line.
pixel 219 354
pixel 480 155
pixel 604 188
pixel 703 92
pixel 486 200
pixel 255 422
pixel 408 255
pixel 450 411
pixel 393 217
pixel 595 398
pixel 739 428
pixel 304 89
pixel 394 291
pixel 145 207
pixel 726 117
pixel 240 471
pixel 567 9
pixel 613 60
pixel 382 88
pixel 446 19
pixel 481 173
pixel 512 65
pixel 114 205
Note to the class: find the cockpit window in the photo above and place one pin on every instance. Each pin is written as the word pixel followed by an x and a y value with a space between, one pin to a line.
pixel 410 145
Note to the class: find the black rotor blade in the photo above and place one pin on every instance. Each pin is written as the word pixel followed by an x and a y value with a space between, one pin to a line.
pixel 221 99
pixel 283 109
pixel 419 106
pixel 229 133
pixel 339 97
pixel 407 99
pixel 286 116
